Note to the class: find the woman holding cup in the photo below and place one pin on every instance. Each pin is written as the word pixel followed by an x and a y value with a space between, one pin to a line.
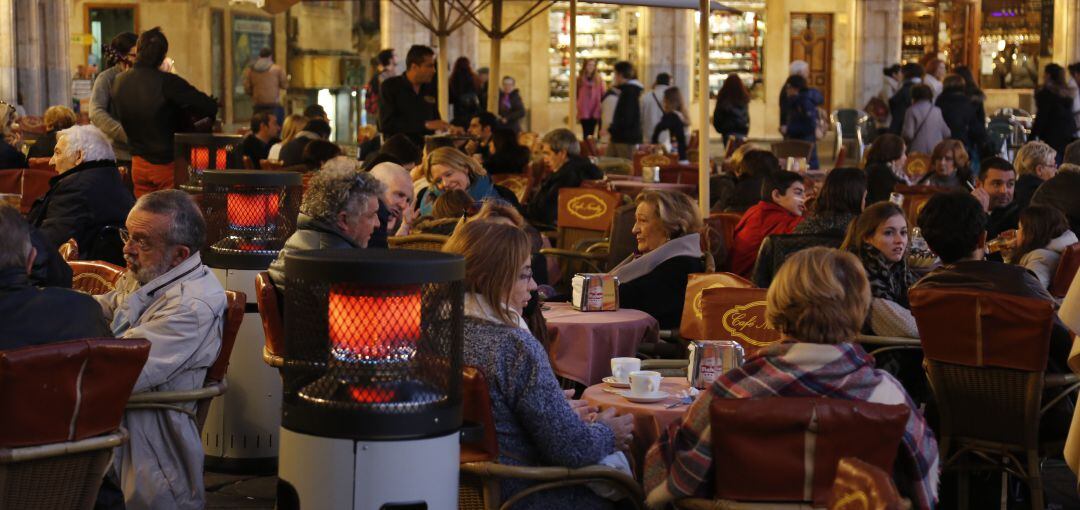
pixel 537 425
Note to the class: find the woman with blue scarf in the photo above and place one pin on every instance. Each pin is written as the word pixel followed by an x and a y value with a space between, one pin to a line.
pixel 447 168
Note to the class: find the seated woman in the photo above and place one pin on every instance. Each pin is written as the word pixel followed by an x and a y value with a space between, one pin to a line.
pixel 949 167
pixel 653 280
pixel 57 118
pixel 447 168
pixel 536 423
pixel 885 162
pixel 879 237
pixel 1043 234
pixel 10 139
pixel 818 302
pixel 507 155
pixel 840 200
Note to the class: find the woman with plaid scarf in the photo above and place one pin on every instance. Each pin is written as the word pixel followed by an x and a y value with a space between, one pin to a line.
pixel 818 301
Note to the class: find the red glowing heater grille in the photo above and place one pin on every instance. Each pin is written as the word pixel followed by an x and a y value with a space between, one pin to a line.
pixel 252 210
pixel 200 158
pixel 373 324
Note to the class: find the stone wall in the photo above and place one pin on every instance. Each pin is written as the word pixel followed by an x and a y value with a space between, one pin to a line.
pixel 34 63
pixel 877 45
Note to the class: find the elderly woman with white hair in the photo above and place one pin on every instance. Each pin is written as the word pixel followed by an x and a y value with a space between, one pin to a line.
pixel 339 210
pixel 87 197
pixel 1035 163
pixel 10 156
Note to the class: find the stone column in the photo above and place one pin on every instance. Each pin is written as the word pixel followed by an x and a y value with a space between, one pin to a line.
pixel 57 59
pixel 878 39
pixel 8 73
pixel 41 54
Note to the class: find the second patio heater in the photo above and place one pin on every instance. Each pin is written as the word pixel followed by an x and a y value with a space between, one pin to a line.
pixel 249 215
pixel 372 380
pixel 195 153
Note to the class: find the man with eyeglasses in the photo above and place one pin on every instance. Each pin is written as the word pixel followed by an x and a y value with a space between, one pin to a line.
pixel 170 298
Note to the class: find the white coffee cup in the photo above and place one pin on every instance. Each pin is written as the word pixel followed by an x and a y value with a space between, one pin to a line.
pixel 644 382
pixel 621 368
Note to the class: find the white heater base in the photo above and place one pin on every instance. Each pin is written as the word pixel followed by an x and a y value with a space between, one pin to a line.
pixel 242 425
pixel 342 474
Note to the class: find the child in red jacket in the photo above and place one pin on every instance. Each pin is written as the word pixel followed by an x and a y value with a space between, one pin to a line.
pixel 780 209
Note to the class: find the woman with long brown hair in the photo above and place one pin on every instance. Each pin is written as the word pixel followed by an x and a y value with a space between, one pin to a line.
pixel 731 117
pixel 464 92
pixel 879 237
pixel 1042 237
pixel 590 92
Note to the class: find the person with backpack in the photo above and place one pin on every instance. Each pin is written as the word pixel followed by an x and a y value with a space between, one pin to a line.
pixel 802 114
pixel 731 117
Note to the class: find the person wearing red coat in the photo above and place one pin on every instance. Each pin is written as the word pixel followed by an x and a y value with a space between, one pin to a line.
pixel 780 209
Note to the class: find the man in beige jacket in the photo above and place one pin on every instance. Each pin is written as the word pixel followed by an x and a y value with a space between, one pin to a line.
pixel 263 81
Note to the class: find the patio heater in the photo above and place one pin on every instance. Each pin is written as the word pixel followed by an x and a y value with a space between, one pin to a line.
pixel 196 153
pixel 372 380
pixel 249 215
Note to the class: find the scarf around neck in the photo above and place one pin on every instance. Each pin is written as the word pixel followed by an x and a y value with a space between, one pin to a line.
pixel 482 187
pixel 477 307
pixel 636 266
pixel 887 281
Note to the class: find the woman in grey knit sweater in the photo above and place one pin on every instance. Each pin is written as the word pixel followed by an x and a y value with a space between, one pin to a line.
pixel 535 422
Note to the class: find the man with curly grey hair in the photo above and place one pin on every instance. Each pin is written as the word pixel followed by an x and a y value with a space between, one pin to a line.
pixel 339 210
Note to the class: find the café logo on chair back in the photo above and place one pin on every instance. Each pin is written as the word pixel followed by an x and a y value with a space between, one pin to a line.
pixel 587 206
pixel 746 322
pixel 732 313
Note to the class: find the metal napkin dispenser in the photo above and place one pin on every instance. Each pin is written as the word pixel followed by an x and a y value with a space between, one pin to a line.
pixel 710 359
pixel 594 292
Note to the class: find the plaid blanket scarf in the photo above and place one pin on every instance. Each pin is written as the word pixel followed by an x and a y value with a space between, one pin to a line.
pixel 680 463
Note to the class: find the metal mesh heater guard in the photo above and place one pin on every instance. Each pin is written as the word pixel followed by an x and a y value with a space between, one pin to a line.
pixel 198 152
pixel 373 343
pixel 249 216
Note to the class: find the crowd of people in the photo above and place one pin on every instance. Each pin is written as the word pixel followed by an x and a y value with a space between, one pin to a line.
pixel 857 281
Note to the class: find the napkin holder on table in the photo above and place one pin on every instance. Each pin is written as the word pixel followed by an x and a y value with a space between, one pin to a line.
pixel 594 292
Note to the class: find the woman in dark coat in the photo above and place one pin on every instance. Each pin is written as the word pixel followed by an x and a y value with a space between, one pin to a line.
pixel 464 93
pixel 508 156
pixel 731 117
pixel 1054 120
pixel 885 161
pixel 802 117
pixel 511 107
pixel 964 116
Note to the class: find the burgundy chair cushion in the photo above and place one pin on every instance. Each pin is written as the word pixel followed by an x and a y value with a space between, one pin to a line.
pixel 67 391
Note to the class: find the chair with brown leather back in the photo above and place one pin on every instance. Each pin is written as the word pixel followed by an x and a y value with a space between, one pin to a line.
pixel 62 405
pixel 862 486
pixel 41 164
pixel 724 224
pixel 94 277
pixel 737 313
pixel 791 149
pixel 481 470
pixel 1066 271
pixel 918 165
pixel 985 356
pixel 782 452
pixel 273 320
pixel 584 225
pixel 214 384
pixel 915 197
pixel 35 183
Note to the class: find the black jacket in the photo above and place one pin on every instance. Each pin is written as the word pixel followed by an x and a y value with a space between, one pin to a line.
pixel 880 182
pixel 1025 189
pixel 964 116
pixel 79 203
pixel 662 292
pixel 403 110
pixel 153 106
pixel 1006 217
pixel 514 160
pixel 44 146
pixel 292 152
pixel 10 157
pixel 44 315
pixel 254 148
pixel 626 122
pixel 544 205
pixel 731 119
pixel 674 124
pixel 515 113
pixel 1062 192
pixel 379 236
pixel 1054 120
pixel 898 105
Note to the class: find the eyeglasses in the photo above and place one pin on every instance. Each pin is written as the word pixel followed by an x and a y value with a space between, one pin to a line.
pixel 140 243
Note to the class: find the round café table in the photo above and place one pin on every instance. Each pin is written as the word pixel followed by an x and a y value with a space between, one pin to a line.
pixel 649 419
pixel 583 343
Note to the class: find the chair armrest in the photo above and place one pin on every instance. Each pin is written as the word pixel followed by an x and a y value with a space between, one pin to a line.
pixel 172 397
pixel 272 359
pixel 107 441
pixel 554 477
pixel 1058 380
pixel 559 252
pixel 1068 384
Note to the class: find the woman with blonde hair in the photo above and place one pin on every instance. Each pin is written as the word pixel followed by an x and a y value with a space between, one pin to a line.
pixel 447 168
pixel 949 166
pixel 57 118
pixel 667 227
pixel 294 123
pixel 536 422
pixel 818 301
pixel 10 156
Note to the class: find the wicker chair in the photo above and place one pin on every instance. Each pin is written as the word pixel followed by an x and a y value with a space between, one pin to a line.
pixel 985 355
pixel 214 384
pixel 586 217
pixel 778 247
pixel 863 486
pixel 425 242
pixel 1066 271
pixel 782 452
pixel 56 455
pixel 94 277
pixel 481 471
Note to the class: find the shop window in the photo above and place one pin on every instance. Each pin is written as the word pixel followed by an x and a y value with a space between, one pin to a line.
pixel 250 34
pixel 602 34
pixel 736 45
pixel 941 28
pixel 1017 40
pixel 104 23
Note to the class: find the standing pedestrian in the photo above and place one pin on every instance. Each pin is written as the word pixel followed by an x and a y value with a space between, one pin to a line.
pixel 1054 120
pixel 409 103
pixel 924 127
pixel 464 93
pixel 625 128
pixel 120 56
pixel 899 102
pixel 802 118
pixel 590 92
pixel 511 107
pixel 264 81
pixel 731 117
pixel 652 108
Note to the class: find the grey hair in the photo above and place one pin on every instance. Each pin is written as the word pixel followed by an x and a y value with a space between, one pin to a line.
pixel 187 226
pixel 1031 155
pixel 88 139
pixel 340 186
pixel 386 171
pixel 14 238
pixel 798 67
pixel 563 139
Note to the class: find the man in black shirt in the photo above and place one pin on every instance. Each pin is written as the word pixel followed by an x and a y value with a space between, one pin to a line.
pixel 264 131
pixel 625 128
pixel 482 127
pixel 997 183
pixel 409 103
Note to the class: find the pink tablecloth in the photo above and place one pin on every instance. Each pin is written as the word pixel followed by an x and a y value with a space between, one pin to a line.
pixel 583 343
pixel 649 419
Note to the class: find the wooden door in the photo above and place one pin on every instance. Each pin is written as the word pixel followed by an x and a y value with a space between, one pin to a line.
pixel 811 41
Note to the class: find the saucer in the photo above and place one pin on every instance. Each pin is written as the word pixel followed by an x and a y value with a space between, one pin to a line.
pixel 646 398
pixel 611 381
